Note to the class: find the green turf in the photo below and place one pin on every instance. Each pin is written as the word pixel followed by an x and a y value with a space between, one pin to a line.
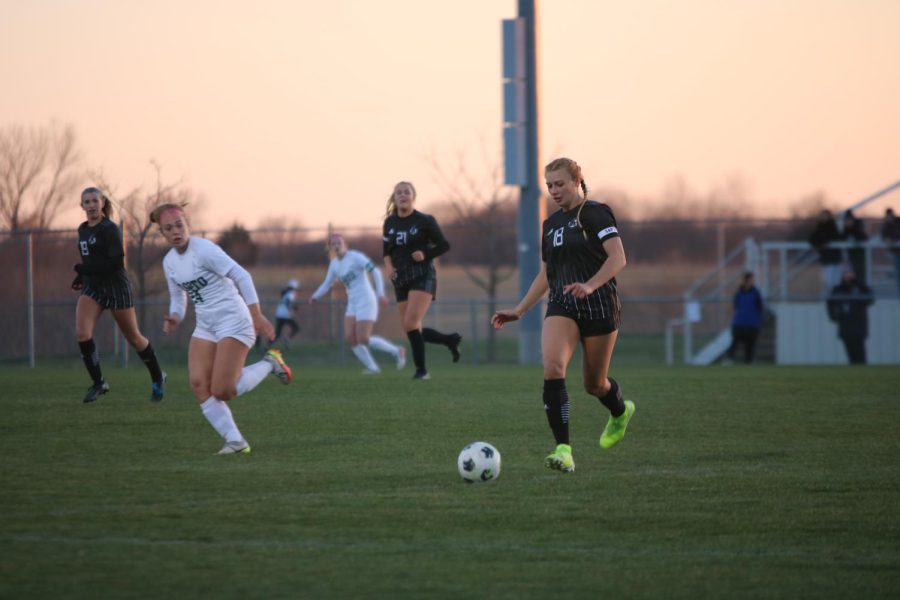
pixel 754 482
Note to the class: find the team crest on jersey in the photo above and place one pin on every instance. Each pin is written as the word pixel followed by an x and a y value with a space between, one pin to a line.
pixel 92 240
pixel 414 230
pixel 573 224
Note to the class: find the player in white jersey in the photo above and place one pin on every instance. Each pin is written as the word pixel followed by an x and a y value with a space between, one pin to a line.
pixel 284 313
pixel 352 268
pixel 228 319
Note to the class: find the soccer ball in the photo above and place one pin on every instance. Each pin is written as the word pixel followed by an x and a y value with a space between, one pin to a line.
pixel 479 462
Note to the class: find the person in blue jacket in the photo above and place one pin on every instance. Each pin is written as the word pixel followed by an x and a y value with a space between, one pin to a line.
pixel 747 321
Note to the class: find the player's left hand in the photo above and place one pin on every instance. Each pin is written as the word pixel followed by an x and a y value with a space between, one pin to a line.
pixel 383 300
pixel 578 290
pixel 418 256
pixel 263 327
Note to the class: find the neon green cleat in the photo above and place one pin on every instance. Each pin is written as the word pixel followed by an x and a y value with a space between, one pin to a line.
pixel 279 367
pixel 561 459
pixel 615 427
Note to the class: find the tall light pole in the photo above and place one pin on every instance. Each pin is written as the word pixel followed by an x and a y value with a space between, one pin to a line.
pixel 521 160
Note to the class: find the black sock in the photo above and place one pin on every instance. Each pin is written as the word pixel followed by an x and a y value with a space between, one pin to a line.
pixel 556 405
pixel 149 357
pixel 451 340
pixel 613 399
pixel 91 359
pixel 418 348
pixel 433 336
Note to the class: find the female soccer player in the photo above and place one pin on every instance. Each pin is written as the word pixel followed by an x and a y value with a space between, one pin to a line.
pixel 412 240
pixel 582 253
pixel 284 313
pixel 228 319
pixel 352 268
pixel 103 282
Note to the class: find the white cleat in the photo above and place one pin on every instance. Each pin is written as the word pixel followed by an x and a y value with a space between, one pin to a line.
pixel 239 447
pixel 401 358
pixel 370 372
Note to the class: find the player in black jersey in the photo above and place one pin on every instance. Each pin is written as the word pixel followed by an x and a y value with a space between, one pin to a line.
pixel 412 240
pixel 582 253
pixel 103 282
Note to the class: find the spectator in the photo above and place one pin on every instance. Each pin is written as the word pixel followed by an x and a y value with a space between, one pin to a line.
pixel 854 232
pixel 747 321
pixel 848 306
pixel 890 234
pixel 823 235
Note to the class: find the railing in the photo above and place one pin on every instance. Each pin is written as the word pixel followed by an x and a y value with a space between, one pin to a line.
pixel 710 288
pixel 785 272
pixel 783 278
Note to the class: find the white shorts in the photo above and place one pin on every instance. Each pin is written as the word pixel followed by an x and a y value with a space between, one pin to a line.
pixel 363 310
pixel 241 330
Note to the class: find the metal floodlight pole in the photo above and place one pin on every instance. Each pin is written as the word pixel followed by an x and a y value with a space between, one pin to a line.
pixel 521 138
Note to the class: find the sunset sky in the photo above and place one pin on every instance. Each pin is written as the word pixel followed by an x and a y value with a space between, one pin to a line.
pixel 310 111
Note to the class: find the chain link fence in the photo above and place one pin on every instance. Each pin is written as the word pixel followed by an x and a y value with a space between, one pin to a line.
pixel 665 258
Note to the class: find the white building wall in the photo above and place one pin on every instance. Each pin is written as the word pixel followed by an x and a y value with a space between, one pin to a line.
pixel 805 336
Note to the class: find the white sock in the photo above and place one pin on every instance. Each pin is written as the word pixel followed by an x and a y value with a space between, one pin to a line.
pixel 219 416
pixel 252 376
pixel 365 357
pixel 379 343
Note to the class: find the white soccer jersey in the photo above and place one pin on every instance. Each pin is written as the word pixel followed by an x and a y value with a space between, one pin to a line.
pixel 210 277
pixel 286 305
pixel 352 270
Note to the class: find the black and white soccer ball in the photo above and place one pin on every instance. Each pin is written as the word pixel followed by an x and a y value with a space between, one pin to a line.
pixel 479 462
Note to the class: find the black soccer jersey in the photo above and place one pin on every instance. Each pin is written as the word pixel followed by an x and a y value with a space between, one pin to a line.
pixel 404 235
pixel 102 252
pixel 574 254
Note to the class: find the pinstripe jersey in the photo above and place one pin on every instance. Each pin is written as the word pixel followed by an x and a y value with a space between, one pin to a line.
pixel 574 254
pixel 103 265
pixel 404 235
pixel 102 253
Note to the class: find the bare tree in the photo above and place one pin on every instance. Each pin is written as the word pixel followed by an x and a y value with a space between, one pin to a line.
pixel 280 238
pixel 483 206
pixel 38 172
pixel 679 201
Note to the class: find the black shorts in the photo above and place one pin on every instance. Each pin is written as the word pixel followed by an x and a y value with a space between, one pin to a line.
pixel 426 283
pixel 586 327
pixel 113 293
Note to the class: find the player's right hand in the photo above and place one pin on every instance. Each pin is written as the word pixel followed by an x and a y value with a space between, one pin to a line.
pixel 503 316
pixel 170 323
pixel 78 283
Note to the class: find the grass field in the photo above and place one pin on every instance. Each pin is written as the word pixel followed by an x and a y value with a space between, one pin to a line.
pixel 744 482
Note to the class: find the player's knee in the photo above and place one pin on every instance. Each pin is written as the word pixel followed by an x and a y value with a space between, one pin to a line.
pixel 554 370
pixel 362 340
pixel 200 388
pixel 351 339
pixel 224 392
